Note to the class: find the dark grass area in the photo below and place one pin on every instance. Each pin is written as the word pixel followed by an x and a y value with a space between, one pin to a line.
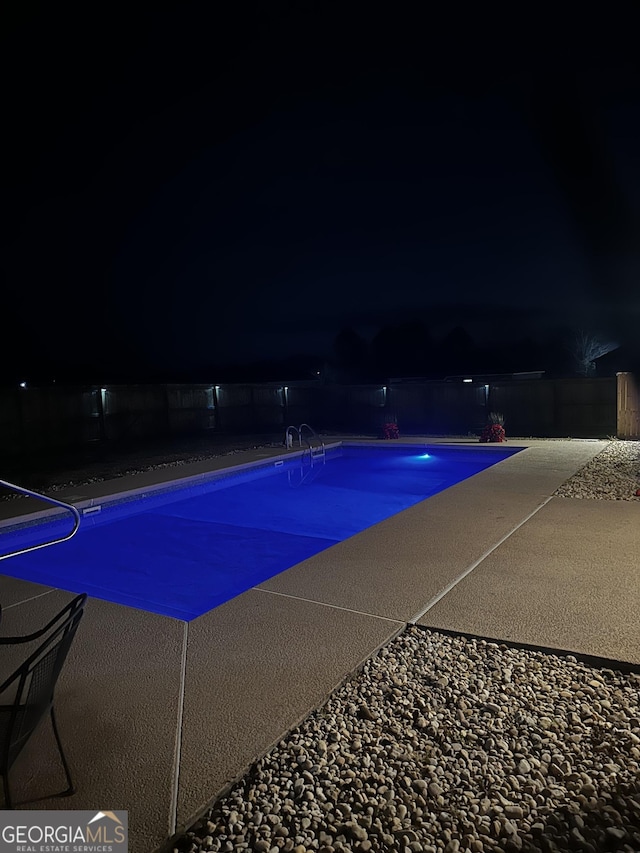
pixel 42 471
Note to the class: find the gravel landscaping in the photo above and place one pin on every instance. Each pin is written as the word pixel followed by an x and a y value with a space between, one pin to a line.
pixel 614 474
pixel 444 743
pixel 448 744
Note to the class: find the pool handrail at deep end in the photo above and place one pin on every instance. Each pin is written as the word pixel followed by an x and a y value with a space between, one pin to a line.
pixel 314 434
pixel 289 438
pixel 38 495
pixel 313 451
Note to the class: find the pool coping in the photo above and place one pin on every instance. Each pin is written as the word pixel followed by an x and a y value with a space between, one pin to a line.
pixel 191 705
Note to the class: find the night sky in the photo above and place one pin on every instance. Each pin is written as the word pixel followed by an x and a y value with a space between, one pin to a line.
pixel 191 186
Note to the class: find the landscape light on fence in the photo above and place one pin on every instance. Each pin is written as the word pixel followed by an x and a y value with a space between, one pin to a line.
pixel 23 384
pixel 467 380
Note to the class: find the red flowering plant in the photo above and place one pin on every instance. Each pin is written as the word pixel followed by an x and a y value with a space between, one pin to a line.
pixel 390 430
pixel 494 430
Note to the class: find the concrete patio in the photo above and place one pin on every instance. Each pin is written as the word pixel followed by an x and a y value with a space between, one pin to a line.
pixel 158 716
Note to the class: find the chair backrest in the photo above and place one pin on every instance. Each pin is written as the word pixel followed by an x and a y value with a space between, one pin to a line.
pixel 67 611
pixel 36 678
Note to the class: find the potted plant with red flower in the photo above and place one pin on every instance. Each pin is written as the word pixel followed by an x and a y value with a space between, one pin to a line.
pixel 494 430
pixel 390 430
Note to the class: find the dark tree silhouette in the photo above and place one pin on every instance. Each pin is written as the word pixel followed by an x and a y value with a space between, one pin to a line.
pixel 585 348
pixel 458 353
pixel 402 350
pixel 351 356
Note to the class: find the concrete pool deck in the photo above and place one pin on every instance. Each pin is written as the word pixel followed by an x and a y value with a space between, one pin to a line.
pixel 158 716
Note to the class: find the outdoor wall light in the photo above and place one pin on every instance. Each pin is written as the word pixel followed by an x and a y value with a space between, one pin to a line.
pixel 23 384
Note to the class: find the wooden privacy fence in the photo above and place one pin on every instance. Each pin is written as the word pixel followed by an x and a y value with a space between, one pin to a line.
pixel 577 408
pixel 628 405
pixel 34 419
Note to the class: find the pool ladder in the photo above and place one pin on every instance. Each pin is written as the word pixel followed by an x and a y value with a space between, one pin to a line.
pixel 31 494
pixel 314 455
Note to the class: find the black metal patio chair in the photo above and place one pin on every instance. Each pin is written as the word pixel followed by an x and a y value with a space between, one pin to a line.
pixel 31 687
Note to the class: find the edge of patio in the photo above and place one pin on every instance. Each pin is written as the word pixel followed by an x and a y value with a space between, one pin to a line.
pixel 159 716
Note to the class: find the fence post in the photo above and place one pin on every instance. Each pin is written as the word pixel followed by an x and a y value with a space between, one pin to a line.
pixel 628 407
pixel 21 419
pixel 252 409
pixel 167 408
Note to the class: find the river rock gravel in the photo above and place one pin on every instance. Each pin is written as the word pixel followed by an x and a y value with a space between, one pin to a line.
pixel 442 743
pixel 612 475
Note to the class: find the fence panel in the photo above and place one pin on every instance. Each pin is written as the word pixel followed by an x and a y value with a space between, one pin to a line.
pixel 268 403
pixel 438 408
pixel 11 432
pixel 554 408
pixel 191 408
pixel 528 407
pixel 135 410
pixel 364 407
pixel 52 418
pixel 409 404
pixel 585 407
pixel 304 405
pixel 235 409
pixel 456 408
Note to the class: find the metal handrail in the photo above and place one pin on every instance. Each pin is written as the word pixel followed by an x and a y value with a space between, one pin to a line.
pixel 319 451
pixel 298 432
pixel 311 430
pixel 286 436
pixel 31 494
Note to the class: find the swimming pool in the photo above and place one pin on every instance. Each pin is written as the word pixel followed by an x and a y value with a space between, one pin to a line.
pixel 181 551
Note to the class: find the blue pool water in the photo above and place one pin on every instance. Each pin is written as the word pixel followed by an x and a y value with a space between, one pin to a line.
pixel 183 552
